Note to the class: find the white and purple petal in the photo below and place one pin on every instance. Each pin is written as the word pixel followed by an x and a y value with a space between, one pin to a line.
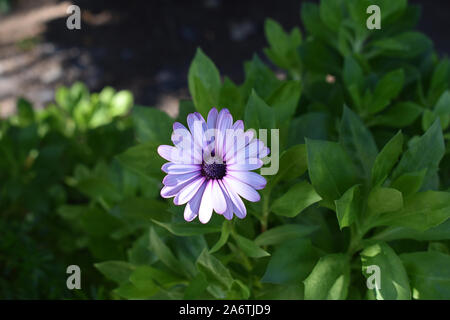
pixel 193 206
pixel 219 202
pixel 251 178
pixel 238 205
pixel 206 205
pixel 224 122
pixel 189 191
pixel 174 179
pixel 173 168
pixel 212 118
pixel 197 126
pixel 246 165
pixel 242 189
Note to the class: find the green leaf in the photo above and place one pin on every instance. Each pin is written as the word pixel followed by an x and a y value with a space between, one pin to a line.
pixel 400 115
pixel 319 58
pixel 97 222
pixel 358 141
pixel 249 247
pixel 284 233
pixel 224 235
pixel 283 46
pixel 310 16
pixel 215 272
pixel 231 98
pixel 329 279
pixel 424 153
pixel 295 200
pixel 442 109
pixel 347 207
pixel 117 271
pixel 293 163
pixel 146 277
pixel 25 112
pixel 439 81
pixel 204 82
pixel 429 274
pixel 440 232
pixel 139 253
pixel 72 212
pixel 184 229
pixel 163 252
pixel 121 103
pixel 130 291
pixel 394 283
pixel 260 78
pixel 386 159
pixel 196 289
pixel 284 101
pixel 387 88
pixel 291 262
pixel 331 13
pixel 106 95
pixel 358 11
pixel 404 45
pixel 141 208
pixel 97 188
pixel 409 183
pixel 422 211
pixel 383 200
pixel 258 115
pixel 238 291
pixel 428 117
pixel 276 36
pixel 314 125
pixel 438 247
pixel 345 40
pixel 143 159
pixel 330 169
pixel 142 281
pixel 353 74
pixel 152 125
pixel 281 292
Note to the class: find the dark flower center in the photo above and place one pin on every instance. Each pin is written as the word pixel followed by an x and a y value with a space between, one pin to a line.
pixel 214 169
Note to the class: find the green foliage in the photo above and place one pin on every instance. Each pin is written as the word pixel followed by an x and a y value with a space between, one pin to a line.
pixel 204 82
pixel 329 279
pixel 428 273
pixel 395 283
pixel 40 151
pixel 351 192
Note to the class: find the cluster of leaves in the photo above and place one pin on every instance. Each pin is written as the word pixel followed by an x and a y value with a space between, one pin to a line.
pixel 363 116
pixel 363 178
pixel 39 149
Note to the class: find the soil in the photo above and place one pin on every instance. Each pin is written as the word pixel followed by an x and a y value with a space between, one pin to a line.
pixel 144 46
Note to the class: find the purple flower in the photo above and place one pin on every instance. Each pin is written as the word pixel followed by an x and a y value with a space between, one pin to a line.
pixel 210 165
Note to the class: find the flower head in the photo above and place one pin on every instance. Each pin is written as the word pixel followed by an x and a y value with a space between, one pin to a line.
pixel 210 165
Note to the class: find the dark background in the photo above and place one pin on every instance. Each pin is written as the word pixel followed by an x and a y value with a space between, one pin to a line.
pixel 147 46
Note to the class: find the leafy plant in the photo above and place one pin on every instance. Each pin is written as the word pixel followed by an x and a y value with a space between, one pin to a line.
pixel 39 149
pixel 363 179
pixel 353 190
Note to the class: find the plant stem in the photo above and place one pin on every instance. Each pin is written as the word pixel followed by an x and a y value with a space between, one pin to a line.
pixel 265 212
pixel 356 236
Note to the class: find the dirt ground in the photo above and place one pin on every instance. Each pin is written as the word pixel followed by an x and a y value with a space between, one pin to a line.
pixel 144 46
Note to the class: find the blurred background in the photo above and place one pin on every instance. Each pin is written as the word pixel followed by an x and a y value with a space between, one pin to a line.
pixel 143 46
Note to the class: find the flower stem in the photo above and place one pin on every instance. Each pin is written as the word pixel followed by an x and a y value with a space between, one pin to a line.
pixel 356 238
pixel 265 211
